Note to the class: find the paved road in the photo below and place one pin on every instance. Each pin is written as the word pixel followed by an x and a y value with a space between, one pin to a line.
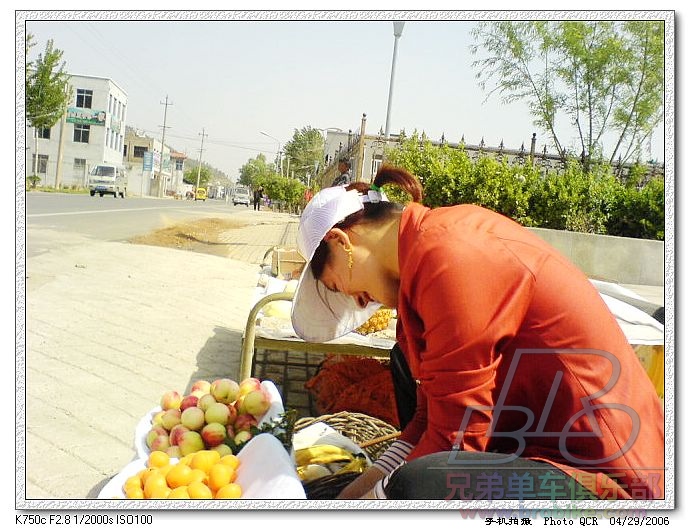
pixel 106 219
pixel 109 327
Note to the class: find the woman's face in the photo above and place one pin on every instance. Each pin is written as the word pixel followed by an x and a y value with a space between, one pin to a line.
pixel 364 281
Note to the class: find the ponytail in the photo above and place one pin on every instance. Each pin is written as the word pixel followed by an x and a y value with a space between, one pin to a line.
pixel 396 176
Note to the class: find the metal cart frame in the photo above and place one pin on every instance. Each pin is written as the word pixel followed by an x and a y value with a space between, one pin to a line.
pixel 251 342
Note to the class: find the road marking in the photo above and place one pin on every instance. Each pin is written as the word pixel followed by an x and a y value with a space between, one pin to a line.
pixel 104 211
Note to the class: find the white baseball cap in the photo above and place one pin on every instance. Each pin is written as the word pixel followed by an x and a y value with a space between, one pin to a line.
pixel 319 314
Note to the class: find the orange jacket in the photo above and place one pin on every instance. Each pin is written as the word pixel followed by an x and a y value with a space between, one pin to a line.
pixel 515 352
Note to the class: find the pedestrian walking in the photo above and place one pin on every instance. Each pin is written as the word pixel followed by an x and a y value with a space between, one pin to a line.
pixel 258 196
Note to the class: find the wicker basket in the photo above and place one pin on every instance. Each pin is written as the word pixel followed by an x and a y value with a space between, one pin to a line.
pixel 371 434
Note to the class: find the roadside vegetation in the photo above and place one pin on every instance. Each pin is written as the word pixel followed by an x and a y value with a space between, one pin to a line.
pixel 594 201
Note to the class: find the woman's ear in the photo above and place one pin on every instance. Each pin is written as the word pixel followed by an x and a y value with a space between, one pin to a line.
pixel 337 235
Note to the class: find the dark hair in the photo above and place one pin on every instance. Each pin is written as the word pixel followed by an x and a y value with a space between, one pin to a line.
pixel 373 212
pixel 344 161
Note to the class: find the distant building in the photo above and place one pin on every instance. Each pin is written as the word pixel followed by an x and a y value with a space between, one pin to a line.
pixel 93 133
pixel 142 160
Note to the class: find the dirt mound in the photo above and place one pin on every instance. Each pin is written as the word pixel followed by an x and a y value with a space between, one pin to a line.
pixel 201 235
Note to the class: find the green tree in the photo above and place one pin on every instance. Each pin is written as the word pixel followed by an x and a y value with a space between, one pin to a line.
pixel 257 171
pixel 286 192
pixel 305 150
pixel 46 88
pixel 204 174
pixel 601 76
pixel 640 103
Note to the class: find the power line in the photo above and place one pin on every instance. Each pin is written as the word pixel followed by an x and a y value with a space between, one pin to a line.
pixel 221 142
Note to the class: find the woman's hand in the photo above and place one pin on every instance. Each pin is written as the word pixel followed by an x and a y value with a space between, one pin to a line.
pixel 362 485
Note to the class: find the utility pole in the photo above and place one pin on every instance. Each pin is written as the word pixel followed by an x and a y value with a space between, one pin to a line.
pixel 198 169
pixel 61 150
pixel 160 171
pixel 61 143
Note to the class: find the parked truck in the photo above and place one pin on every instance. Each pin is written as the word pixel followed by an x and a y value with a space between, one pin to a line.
pixel 108 179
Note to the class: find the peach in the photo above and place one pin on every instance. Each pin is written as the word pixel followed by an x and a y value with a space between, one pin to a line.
pixel 160 443
pixel 193 418
pixel 156 430
pixel 156 420
pixel 190 442
pixel 217 413
pixel 206 401
pixel 176 433
pixel 244 422
pixel 257 402
pixel 242 437
pixel 174 451
pixel 202 385
pixel 225 390
pixel 189 401
pixel 170 418
pixel 222 449
pixel 249 384
pixel 171 400
pixel 213 434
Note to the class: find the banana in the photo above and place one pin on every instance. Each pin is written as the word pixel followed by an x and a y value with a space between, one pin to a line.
pixel 321 454
pixel 312 472
pixel 358 465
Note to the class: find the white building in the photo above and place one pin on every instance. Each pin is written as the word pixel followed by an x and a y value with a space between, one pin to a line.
pixel 92 133
pixel 142 160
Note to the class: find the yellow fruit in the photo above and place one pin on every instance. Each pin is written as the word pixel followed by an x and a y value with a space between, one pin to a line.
pixel 179 475
pixel 198 475
pixel 219 476
pixel 166 469
pixel 155 485
pixel 199 490
pixel 229 491
pixel 378 321
pixel 134 492
pixel 179 493
pixel 322 454
pixel 230 460
pixel 158 459
pixel 133 481
pixel 144 475
pixel 204 460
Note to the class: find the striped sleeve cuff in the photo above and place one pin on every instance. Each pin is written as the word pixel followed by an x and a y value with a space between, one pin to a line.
pixel 393 456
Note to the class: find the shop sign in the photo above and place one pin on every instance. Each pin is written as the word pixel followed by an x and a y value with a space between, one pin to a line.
pixel 85 116
pixel 148 161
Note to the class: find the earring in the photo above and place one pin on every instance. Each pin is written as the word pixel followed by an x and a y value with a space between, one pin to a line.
pixel 350 261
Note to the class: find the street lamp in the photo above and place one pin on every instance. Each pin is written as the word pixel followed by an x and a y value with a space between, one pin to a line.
pixel 280 158
pixel 397 32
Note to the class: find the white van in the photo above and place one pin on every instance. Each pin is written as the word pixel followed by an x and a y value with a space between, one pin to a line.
pixel 241 196
pixel 108 179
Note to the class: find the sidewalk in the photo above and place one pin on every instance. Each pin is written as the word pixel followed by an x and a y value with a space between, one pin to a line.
pixel 109 328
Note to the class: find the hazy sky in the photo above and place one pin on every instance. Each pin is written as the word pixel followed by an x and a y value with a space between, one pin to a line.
pixel 234 79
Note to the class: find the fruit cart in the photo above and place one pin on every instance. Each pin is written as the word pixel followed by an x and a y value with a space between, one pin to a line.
pixel 257 338
pixel 270 346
